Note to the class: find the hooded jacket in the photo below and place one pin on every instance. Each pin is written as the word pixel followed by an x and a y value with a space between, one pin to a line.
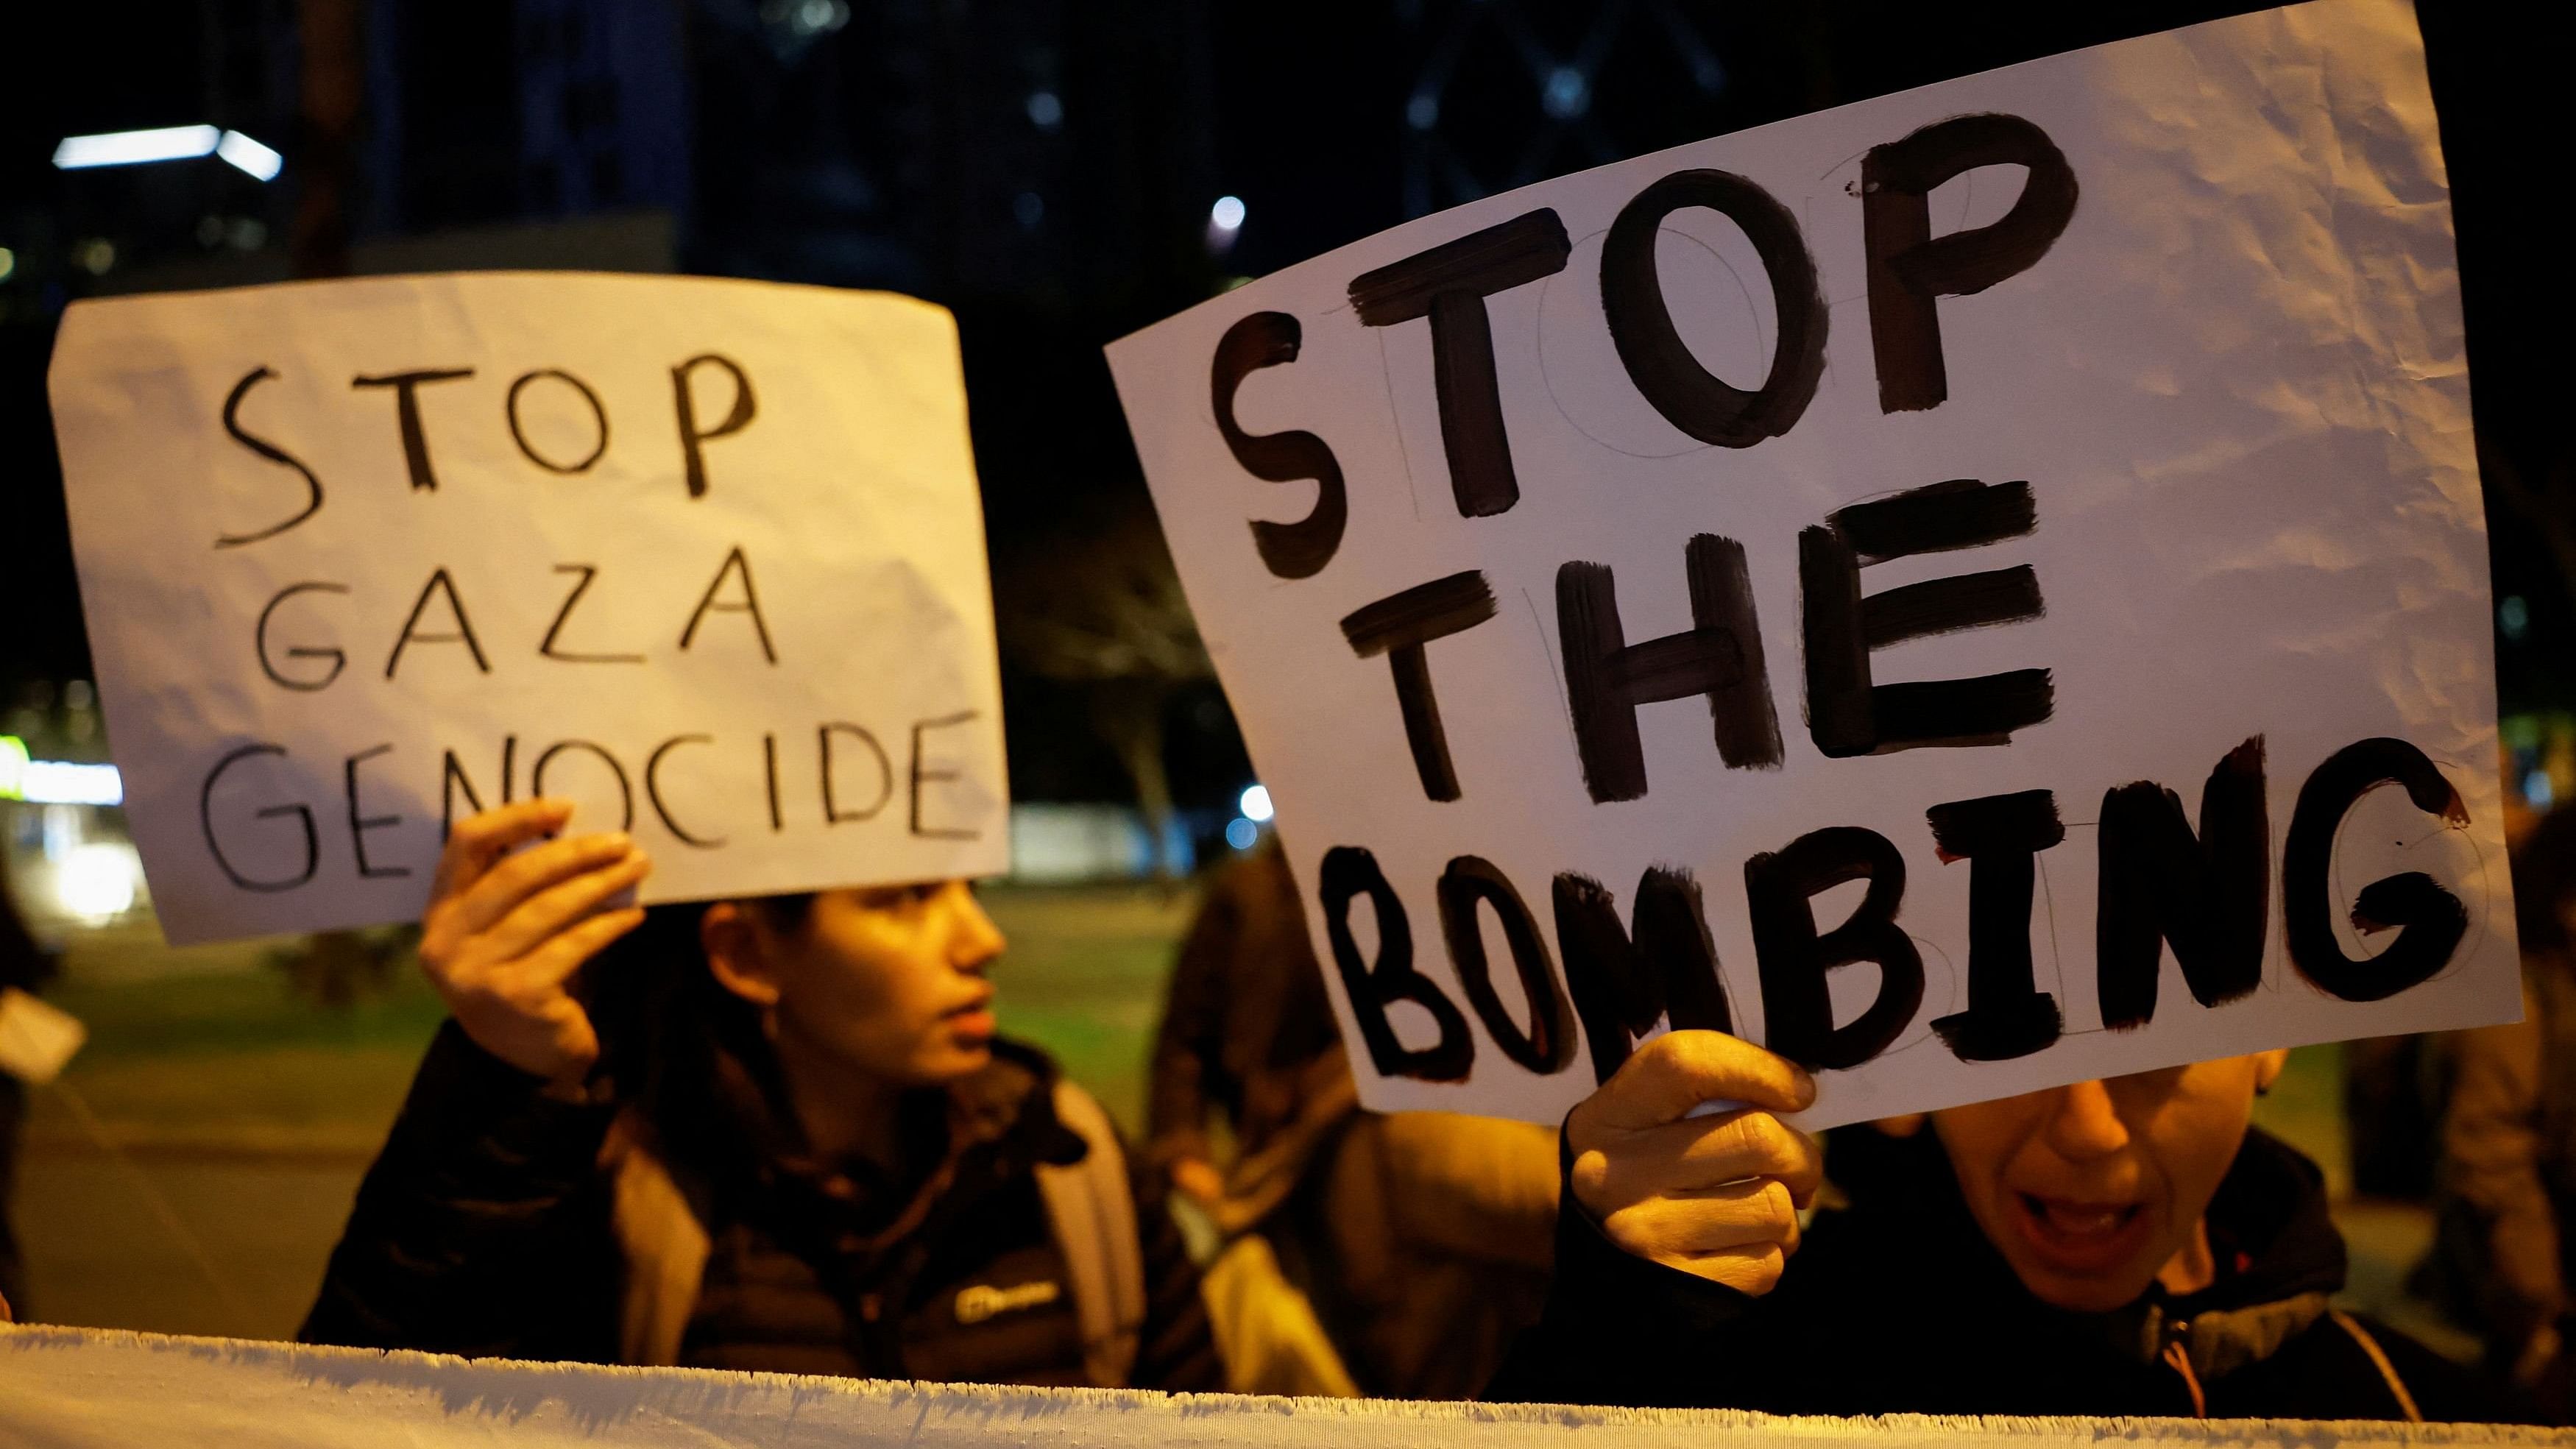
pixel 501 1222
pixel 1899 1304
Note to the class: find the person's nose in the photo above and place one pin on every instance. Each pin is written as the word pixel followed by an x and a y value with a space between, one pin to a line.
pixel 2084 1122
pixel 973 940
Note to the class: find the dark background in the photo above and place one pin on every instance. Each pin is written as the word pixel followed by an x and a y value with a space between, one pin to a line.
pixel 1047 170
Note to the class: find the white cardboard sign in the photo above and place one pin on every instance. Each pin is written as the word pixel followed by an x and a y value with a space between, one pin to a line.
pixel 1978 589
pixel 357 557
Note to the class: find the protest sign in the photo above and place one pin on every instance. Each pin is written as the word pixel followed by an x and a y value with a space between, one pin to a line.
pixel 1974 590
pixel 361 557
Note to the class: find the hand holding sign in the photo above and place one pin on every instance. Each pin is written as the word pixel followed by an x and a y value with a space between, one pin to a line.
pixel 507 928
pixel 1714 1196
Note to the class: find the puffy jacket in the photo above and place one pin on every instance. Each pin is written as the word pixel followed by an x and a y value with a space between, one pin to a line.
pixel 501 1222
pixel 1899 1304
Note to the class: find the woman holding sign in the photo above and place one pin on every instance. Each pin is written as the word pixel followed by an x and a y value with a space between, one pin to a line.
pixel 793 1143
pixel 2113 1247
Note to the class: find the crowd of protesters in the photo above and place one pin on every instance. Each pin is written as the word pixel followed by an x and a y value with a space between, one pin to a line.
pixel 782 1134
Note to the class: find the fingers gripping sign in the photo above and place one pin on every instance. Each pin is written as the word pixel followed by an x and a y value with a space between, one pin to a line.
pixel 509 923
pixel 1718 1195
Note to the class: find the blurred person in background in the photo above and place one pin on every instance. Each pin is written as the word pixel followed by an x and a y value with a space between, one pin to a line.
pixel 2507 1170
pixel 770 1134
pixel 1421 1240
pixel 24 966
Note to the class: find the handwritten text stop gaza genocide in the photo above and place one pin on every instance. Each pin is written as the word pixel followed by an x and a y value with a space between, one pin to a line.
pixel 855 777
pixel 2206 891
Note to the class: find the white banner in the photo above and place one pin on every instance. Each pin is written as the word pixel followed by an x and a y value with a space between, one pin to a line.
pixel 70 1388
pixel 1977 589
pixel 359 557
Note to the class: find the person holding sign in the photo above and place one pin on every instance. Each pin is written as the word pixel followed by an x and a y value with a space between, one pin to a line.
pixel 774 1133
pixel 2118 1247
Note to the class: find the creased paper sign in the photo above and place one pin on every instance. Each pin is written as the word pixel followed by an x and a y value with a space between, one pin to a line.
pixel 361 557
pixel 1975 590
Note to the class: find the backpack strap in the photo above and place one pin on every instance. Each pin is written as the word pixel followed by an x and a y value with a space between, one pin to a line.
pixel 2379 1360
pixel 1091 1210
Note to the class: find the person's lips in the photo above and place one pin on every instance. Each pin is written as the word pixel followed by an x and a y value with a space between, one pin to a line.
pixel 2076 1236
pixel 972 1021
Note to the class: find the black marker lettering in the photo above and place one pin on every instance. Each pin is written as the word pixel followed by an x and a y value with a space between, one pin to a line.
pixel 1849 715
pixel 438 583
pixel 921 775
pixel 734 563
pixel 2000 836
pixel 359 824
pixel 769 772
pixel 453 779
pixel 415 444
pixel 519 434
pixel 1909 268
pixel 1546 1045
pixel 1797 1006
pixel 1289 550
pixel 2428 919
pixel 268 665
pixel 832 812
pixel 1689 396
pixel 625 792
pixel 1371 987
pixel 1626 979
pixel 2209 895
pixel 692 440
pixel 1720 656
pixel 214 847
pixel 270 451
pixel 1398 626
pixel 653 789
pixel 1449 285
pixel 581 586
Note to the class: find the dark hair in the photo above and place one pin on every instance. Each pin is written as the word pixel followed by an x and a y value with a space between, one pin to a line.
pixel 664 1019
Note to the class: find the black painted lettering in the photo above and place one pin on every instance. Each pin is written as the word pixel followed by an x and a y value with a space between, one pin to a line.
pixel 833 814
pixel 693 439
pixel 2000 836
pixel 214 847
pixel 438 583
pixel 653 790
pixel 769 775
pixel 1398 626
pixel 922 774
pixel 1289 550
pixel 2428 919
pixel 415 441
pixel 1373 986
pixel 268 661
pixel 519 433
pixel 625 791
pixel 1909 269
pixel 2209 895
pixel 1689 396
pixel 563 615
pixel 454 781
pixel 1793 959
pixel 1546 1044
pixel 360 823
pixel 1625 979
pixel 1848 714
pixel 273 453
pixel 734 565
pixel 1449 285
pixel 1720 656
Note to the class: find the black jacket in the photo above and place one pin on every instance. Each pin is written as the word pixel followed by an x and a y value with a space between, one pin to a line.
pixel 487 1227
pixel 1899 1304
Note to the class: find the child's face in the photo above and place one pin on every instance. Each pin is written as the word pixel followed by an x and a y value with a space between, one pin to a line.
pixel 2089 1191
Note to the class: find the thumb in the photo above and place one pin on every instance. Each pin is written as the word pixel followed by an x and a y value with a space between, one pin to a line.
pixel 1680 1070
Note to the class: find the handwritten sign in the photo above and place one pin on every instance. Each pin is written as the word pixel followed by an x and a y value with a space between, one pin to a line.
pixel 361 557
pixel 1974 590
